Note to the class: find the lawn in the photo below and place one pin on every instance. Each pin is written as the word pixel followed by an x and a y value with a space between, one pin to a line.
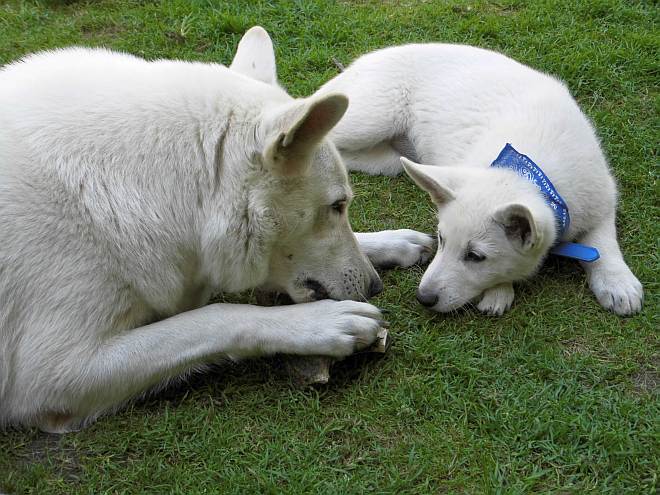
pixel 556 396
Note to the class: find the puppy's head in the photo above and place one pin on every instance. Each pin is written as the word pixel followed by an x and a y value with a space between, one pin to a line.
pixel 493 227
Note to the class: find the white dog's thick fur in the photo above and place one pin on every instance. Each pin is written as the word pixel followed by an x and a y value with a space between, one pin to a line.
pixel 129 192
pixel 456 107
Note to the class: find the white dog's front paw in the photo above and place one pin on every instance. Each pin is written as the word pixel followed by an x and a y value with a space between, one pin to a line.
pixel 403 247
pixel 496 300
pixel 617 290
pixel 336 328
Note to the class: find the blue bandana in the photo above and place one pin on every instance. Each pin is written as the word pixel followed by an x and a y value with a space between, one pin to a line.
pixel 525 167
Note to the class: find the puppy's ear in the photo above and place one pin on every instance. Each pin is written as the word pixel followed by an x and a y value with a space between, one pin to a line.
pixel 519 226
pixel 429 179
pixel 301 130
pixel 255 57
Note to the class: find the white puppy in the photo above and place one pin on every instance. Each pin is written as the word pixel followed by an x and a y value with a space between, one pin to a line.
pixel 130 191
pixel 456 107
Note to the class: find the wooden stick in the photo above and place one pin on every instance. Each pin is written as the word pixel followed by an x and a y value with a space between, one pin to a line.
pixel 338 64
pixel 310 370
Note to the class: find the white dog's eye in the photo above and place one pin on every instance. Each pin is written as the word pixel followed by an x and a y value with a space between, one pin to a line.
pixel 474 256
pixel 339 206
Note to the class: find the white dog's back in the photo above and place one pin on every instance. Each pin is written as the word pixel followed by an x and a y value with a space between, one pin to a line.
pixel 447 98
pixel 77 150
pixel 67 156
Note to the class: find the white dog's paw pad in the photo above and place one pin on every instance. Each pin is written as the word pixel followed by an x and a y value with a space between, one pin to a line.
pixel 619 292
pixel 497 300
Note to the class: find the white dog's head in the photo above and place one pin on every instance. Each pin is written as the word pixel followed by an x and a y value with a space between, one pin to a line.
pixel 493 227
pixel 304 185
pixel 315 253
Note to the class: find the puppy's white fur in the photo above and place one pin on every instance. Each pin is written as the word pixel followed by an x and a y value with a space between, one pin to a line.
pixel 456 107
pixel 132 190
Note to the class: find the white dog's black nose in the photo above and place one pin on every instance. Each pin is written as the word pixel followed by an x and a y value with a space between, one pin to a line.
pixel 428 299
pixel 320 292
pixel 376 287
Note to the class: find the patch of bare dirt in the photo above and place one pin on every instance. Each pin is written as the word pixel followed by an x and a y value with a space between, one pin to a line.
pixel 51 450
pixel 648 379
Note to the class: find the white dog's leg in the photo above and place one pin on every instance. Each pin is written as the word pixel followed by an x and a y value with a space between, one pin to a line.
pixel 497 300
pixel 137 360
pixel 401 247
pixel 379 159
pixel 610 279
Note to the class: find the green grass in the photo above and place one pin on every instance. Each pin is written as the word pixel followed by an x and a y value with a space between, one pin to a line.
pixel 557 396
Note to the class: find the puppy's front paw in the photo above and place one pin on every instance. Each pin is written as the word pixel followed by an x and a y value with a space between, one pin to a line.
pixel 496 300
pixel 403 247
pixel 338 328
pixel 617 290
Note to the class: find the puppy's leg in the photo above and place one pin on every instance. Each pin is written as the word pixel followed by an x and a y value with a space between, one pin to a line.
pixel 610 279
pixel 379 159
pixel 136 360
pixel 497 300
pixel 403 247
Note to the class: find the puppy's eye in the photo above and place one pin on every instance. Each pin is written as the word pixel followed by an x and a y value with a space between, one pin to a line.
pixel 441 240
pixel 339 206
pixel 474 256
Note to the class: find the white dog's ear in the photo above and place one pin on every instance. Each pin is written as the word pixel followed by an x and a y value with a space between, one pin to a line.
pixel 426 177
pixel 255 56
pixel 519 226
pixel 301 131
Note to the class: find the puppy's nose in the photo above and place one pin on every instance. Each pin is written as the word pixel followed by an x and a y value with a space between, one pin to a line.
pixel 376 287
pixel 428 299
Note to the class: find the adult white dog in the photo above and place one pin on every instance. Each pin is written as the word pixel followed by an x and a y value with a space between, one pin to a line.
pixel 457 107
pixel 130 191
